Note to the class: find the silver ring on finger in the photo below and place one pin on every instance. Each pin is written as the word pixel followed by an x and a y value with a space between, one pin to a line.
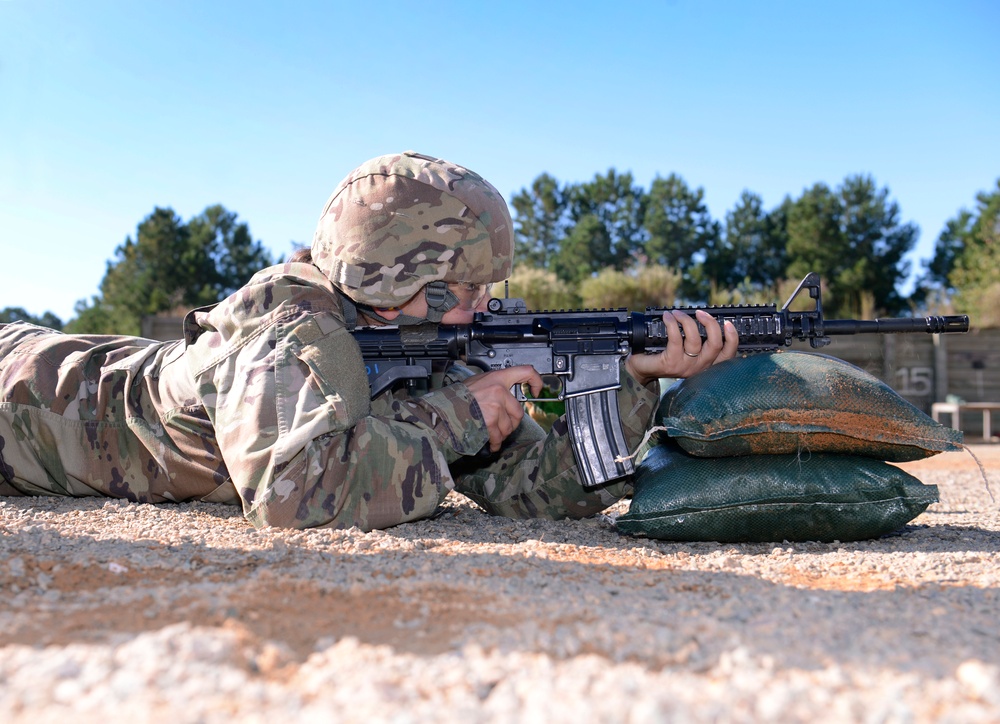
pixel 691 355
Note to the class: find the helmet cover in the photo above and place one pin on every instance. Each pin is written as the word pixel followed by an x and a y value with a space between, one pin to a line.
pixel 398 222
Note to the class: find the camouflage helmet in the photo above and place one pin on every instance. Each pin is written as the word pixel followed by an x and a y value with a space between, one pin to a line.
pixel 400 222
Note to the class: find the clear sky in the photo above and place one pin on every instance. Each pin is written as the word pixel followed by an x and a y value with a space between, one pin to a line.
pixel 108 109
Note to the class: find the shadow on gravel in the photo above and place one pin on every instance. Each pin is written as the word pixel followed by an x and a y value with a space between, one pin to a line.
pixel 943 538
pixel 428 599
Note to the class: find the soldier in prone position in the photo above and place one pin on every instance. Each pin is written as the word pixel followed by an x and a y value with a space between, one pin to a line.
pixel 265 402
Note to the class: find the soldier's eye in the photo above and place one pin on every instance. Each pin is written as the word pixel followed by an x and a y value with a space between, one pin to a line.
pixel 471 294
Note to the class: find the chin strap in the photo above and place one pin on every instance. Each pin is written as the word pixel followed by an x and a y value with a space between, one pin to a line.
pixel 402 320
pixel 439 297
pixel 350 310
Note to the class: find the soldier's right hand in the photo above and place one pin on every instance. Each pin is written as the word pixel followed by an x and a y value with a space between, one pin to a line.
pixel 501 410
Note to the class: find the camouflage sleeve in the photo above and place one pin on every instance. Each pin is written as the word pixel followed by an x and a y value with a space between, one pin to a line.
pixel 535 474
pixel 305 447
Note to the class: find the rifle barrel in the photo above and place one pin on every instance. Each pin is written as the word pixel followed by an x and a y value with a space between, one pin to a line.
pixel 931 325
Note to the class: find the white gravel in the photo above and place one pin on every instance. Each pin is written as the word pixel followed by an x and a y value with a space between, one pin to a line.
pixel 120 612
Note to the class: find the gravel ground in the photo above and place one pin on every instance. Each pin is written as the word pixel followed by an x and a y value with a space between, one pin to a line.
pixel 113 611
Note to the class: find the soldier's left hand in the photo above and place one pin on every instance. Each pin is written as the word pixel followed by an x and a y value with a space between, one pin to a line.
pixel 685 355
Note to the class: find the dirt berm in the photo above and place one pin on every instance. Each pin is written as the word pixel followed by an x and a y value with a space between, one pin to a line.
pixel 111 611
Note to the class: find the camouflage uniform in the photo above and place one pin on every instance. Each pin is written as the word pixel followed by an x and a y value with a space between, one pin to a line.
pixel 265 402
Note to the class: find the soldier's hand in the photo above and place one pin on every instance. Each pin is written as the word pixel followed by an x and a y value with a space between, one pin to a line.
pixel 500 408
pixel 685 355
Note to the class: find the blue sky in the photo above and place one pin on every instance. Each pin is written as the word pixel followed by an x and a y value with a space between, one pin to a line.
pixel 108 109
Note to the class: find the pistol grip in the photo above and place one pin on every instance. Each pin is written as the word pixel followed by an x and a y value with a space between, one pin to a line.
pixel 595 429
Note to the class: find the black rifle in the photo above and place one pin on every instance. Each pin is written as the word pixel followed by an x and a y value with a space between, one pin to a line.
pixel 583 348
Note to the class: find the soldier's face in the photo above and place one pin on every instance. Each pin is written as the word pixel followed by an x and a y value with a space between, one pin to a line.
pixel 472 298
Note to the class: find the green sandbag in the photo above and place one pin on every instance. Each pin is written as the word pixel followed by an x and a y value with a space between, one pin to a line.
pixel 760 498
pixel 791 402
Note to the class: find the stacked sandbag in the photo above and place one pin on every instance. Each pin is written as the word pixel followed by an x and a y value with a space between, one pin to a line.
pixel 783 446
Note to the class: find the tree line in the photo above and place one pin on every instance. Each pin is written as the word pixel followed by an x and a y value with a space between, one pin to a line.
pixel 853 235
pixel 170 266
pixel 609 242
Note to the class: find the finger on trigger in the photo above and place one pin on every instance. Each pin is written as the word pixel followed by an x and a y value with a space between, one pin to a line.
pixel 536 383
pixel 526 374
